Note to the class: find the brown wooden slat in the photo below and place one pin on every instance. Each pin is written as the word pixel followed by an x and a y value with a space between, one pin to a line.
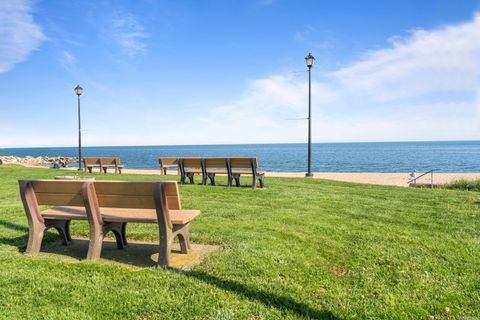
pixel 192 162
pixel 124 188
pixel 215 163
pixel 59 199
pixel 141 188
pixel 126 201
pixel 240 162
pixel 174 203
pixel 57 186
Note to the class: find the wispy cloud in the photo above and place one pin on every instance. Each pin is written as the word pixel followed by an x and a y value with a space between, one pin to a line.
pixel 129 34
pixel 19 34
pixel 424 86
pixel 68 61
pixel 442 60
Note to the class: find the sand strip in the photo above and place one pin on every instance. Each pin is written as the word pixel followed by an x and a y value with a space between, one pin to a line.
pixel 389 179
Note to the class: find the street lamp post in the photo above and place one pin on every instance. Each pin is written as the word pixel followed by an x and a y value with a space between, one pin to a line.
pixel 309 60
pixel 79 91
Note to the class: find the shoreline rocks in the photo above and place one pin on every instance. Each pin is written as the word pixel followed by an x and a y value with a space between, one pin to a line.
pixel 38 161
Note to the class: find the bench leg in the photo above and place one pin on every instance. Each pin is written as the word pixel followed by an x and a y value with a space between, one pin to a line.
pixel 183 233
pixel 182 179
pixel 35 237
pixel 67 230
pixel 261 179
pixel 164 250
pixel 204 180
pixel 104 169
pixel 117 228
pixel 191 177
pixel 63 228
pixel 254 182
pixel 124 233
pixel 95 245
pixel 90 169
pixel 211 176
pixel 237 180
pixel 230 181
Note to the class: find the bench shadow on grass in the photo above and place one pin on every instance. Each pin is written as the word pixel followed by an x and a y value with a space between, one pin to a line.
pixel 268 299
pixel 129 256
pixel 21 241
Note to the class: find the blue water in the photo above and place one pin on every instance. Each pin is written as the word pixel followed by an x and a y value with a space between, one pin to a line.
pixel 452 156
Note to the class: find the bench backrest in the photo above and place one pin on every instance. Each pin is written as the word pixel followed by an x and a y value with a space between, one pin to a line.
pixel 135 194
pixel 191 162
pixel 166 161
pixel 49 192
pixel 243 163
pixel 55 192
pixel 215 162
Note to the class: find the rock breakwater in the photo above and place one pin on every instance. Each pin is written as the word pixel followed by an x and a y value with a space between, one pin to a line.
pixel 37 161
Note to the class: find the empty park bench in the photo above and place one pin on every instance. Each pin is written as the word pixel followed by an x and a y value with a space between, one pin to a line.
pixel 103 164
pixel 107 206
pixel 238 167
pixel 168 164
pixel 234 168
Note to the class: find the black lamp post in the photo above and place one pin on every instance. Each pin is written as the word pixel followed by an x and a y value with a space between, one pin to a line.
pixel 309 59
pixel 79 91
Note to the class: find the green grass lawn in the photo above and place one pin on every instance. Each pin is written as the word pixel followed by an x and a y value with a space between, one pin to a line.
pixel 298 249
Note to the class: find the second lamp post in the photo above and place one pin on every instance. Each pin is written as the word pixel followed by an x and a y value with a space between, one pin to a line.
pixel 79 91
pixel 309 59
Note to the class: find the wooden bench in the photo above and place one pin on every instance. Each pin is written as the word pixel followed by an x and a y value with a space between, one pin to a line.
pixel 237 164
pixel 214 166
pixel 108 206
pixel 167 164
pixel 103 164
pixel 189 167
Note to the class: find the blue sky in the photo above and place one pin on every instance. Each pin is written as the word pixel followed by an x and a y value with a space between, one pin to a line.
pixel 202 72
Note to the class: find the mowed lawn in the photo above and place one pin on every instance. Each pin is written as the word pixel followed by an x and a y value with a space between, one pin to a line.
pixel 298 249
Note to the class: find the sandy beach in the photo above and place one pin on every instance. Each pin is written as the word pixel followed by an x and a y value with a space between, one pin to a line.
pixel 390 179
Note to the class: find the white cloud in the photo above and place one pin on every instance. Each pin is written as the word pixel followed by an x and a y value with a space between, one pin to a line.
pixel 442 60
pixel 424 87
pixel 19 34
pixel 68 61
pixel 128 33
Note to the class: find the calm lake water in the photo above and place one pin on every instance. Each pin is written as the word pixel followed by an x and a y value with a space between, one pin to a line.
pixel 452 156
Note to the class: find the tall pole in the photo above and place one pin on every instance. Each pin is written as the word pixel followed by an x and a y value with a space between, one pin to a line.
pixel 309 173
pixel 79 137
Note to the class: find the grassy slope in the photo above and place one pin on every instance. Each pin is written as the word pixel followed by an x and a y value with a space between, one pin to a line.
pixel 297 249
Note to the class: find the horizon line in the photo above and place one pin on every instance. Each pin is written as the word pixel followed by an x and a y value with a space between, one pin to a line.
pixel 238 144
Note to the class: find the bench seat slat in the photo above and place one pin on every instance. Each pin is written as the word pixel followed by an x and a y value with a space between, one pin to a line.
pixel 217 171
pixel 193 171
pixel 120 214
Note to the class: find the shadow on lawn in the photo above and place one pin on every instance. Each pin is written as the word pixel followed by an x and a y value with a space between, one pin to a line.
pixel 268 299
pixel 13 226
pixel 21 241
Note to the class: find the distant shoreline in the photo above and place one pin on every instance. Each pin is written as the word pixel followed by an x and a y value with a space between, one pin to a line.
pixel 379 178
pixel 241 144
pixel 451 156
